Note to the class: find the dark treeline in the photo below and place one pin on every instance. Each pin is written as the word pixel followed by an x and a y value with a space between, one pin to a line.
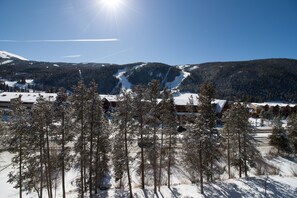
pixel 140 134
pixel 250 81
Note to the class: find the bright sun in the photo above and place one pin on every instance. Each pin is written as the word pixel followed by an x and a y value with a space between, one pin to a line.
pixel 112 4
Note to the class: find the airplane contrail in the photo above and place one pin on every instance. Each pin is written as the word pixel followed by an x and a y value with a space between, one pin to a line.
pixel 61 40
pixel 72 56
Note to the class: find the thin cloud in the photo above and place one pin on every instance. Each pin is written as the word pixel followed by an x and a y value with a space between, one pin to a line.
pixel 61 40
pixel 72 56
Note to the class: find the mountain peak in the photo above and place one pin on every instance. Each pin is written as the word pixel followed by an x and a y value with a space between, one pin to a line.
pixel 8 55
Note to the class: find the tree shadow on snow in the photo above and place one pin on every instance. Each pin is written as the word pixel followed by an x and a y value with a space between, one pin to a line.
pixel 251 187
pixel 174 192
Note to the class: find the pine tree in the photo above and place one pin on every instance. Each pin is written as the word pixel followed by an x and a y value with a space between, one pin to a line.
pixel 98 139
pixel 169 121
pixel 102 151
pixel 43 124
pixel 239 132
pixel 154 122
pixel 63 132
pixel 201 152
pixel 19 143
pixel 139 113
pixel 292 130
pixel 39 133
pixel 92 108
pixel 229 138
pixel 79 101
pixel 279 137
pixel 123 119
pixel 119 162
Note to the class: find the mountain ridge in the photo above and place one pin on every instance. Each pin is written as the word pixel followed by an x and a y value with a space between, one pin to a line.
pixel 254 80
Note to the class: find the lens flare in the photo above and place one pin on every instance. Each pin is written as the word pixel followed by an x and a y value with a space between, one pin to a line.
pixel 112 4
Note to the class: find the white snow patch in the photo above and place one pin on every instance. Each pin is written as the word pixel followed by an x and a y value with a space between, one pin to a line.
pixel 126 85
pixel 6 62
pixel 182 67
pixel 56 65
pixel 285 166
pixel 177 81
pixel 139 66
pixel 193 68
pixel 29 81
pixel 7 55
pixel 11 83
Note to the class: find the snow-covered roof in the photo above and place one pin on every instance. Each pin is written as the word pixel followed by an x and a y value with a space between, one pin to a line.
pixel 11 83
pixel 180 99
pixel 110 98
pixel 273 104
pixel 183 99
pixel 29 81
pixel 26 96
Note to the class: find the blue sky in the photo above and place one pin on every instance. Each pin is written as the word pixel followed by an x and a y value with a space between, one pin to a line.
pixel 168 31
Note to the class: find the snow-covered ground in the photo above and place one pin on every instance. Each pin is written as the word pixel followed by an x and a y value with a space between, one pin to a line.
pixel 284 184
pixel 7 190
pixel 280 183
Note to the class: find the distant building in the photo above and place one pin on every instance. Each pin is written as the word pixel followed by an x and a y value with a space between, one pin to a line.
pixel 27 98
pixel 109 102
pixel 187 104
pixel 283 109
pixel 181 101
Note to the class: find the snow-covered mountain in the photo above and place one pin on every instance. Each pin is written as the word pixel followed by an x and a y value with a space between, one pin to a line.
pixel 8 55
pixel 253 81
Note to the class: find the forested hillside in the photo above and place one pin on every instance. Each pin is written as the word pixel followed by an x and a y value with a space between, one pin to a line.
pixel 259 80
pixel 254 81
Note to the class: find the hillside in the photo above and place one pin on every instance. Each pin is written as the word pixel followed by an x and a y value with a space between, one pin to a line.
pixel 258 80
pixel 255 81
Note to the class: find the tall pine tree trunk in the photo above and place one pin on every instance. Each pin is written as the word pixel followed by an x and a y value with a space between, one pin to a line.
pixel 63 156
pixel 97 164
pixel 169 159
pixel 155 159
pixel 20 167
pixel 239 153
pixel 91 156
pixel 127 163
pixel 49 168
pixel 211 159
pixel 228 153
pixel 82 160
pixel 161 159
pixel 245 155
pixel 85 165
pixel 201 168
pixel 41 140
pixel 142 157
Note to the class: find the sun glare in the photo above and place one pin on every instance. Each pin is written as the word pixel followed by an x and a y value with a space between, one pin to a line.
pixel 112 4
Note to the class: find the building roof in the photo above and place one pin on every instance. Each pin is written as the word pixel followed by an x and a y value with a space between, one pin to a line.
pixel 273 104
pixel 26 97
pixel 110 98
pixel 183 99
